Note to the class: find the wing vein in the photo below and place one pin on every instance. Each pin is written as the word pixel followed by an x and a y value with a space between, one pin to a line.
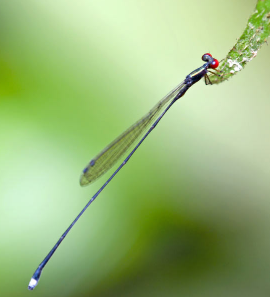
pixel 111 154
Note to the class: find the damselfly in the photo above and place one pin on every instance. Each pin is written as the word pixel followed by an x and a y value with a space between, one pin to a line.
pixel 111 154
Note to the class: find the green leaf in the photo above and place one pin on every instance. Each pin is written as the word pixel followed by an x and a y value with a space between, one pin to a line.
pixel 254 36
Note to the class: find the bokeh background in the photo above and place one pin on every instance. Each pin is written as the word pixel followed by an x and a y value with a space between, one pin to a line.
pixel 190 213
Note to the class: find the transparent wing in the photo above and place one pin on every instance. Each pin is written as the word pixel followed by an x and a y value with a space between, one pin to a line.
pixel 110 155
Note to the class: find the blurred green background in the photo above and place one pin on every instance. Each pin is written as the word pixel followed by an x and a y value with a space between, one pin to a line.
pixel 190 214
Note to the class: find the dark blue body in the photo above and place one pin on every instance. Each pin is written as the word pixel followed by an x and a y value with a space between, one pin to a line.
pixel 196 75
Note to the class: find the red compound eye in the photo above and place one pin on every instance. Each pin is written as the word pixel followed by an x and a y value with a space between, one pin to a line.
pixel 206 57
pixel 214 64
pixel 208 54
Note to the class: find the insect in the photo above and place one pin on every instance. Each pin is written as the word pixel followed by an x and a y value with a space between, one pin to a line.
pixel 111 154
